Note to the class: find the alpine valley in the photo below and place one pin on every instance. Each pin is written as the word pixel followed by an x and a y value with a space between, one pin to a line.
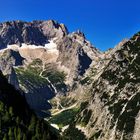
pixel 55 85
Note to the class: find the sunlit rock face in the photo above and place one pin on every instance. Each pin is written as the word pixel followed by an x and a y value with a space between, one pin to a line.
pixel 47 53
pixel 29 49
pixel 52 43
pixel 36 32
pixel 113 110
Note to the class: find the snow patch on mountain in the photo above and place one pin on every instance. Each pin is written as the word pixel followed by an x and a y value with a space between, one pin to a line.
pixel 50 47
pixel 48 52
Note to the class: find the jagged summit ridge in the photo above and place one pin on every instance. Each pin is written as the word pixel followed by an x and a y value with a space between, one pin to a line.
pixel 35 32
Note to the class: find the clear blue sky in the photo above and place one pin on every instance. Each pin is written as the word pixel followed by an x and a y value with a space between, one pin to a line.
pixel 104 22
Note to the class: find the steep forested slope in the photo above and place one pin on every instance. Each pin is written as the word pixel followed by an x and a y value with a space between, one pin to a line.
pixel 17 121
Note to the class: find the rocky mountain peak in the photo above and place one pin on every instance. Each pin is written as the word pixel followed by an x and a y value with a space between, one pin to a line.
pixel 80 33
pixel 35 32
pixel 50 42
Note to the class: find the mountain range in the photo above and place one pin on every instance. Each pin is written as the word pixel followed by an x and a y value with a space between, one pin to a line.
pixel 76 91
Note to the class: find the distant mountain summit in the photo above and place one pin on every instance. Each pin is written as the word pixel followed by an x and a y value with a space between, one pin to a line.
pixel 36 32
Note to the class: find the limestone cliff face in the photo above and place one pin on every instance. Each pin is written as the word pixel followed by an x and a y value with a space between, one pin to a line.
pixel 8 59
pixel 112 112
pixel 77 54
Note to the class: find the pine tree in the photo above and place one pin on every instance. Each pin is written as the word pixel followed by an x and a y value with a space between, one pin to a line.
pixel 11 111
pixel 18 134
pixel 32 124
pixel 11 134
pixel 17 120
pixel 1 107
pixel 24 137
pixel 38 130
pixel 5 137
pixel 6 118
pixel 15 132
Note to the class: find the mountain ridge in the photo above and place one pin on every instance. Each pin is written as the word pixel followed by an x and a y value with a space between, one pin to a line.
pixel 65 53
pixel 93 94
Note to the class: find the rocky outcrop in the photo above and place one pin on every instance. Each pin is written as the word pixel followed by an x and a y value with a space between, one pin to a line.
pixel 76 54
pixel 9 59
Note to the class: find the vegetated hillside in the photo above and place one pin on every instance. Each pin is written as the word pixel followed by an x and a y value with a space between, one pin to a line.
pixel 112 113
pixel 17 121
